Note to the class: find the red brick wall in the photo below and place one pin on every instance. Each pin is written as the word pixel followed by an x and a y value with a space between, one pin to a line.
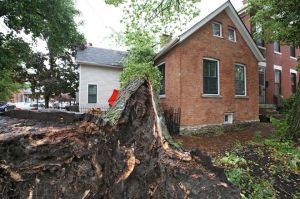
pixel 272 59
pixel 286 63
pixel 184 85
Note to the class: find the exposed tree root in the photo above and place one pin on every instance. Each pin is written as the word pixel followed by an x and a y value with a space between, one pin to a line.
pixel 123 155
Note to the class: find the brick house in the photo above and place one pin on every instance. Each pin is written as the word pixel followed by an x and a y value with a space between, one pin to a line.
pixel 279 77
pixel 211 71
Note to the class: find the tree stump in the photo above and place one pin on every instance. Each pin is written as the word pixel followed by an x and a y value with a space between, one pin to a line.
pixel 125 154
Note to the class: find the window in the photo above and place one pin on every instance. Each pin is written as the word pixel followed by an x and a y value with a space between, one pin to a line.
pixel 161 69
pixel 217 29
pixel 231 34
pixel 259 42
pixel 294 82
pixel 277 82
pixel 92 93
pixel 228 118
pixel 276 46
pixel 210 76
pixel 240 80
pixel 292 51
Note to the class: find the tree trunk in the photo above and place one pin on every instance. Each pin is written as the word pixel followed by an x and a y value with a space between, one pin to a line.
pixel 125 154
pixel 47 98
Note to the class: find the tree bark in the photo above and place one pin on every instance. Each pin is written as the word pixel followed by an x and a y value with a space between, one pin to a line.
pixel 47 98
pixel 125 154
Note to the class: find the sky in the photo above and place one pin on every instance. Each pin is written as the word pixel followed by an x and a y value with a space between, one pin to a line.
pixel 101 21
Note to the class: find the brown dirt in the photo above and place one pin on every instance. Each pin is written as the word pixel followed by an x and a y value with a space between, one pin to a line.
pixel 123 155
pixel 214 144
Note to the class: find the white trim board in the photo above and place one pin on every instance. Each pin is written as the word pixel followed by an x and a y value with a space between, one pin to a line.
pixel 231 12
pixel 276 67
pixel 293 71
pixel 262 64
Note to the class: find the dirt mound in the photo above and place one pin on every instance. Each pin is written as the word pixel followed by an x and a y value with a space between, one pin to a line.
pixel 123 155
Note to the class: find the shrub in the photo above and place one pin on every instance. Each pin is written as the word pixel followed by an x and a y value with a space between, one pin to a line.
pixel 281 127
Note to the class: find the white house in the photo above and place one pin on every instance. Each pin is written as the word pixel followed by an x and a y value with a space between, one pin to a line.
pixel 99 73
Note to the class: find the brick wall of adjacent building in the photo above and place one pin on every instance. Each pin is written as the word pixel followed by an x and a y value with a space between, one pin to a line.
pixel 184 77
pixel 287 64
pixel 284 60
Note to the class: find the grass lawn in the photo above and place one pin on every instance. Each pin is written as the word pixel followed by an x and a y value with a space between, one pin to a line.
pixel 263 168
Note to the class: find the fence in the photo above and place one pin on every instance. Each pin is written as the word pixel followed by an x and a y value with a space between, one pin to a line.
pixel 85 109
pixel 172 117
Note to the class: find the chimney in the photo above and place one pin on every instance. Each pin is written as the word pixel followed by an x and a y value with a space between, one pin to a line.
pixel 245 2
pixel 164 39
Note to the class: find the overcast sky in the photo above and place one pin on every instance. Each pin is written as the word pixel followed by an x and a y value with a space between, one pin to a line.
pixel 101 20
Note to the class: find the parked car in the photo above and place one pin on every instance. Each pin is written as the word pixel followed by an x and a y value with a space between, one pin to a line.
pixel 36 106
pixel 5 106
pixel 23 106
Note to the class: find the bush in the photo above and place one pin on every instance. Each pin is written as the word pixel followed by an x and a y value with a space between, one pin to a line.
pixel 281 127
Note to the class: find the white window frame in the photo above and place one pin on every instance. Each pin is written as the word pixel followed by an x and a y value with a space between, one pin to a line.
pixel 234 33
pixel 293 71
pixel 218 67
pixel 88 93
pixel 277 52
pixel 295 58
pixel 221 30
pixel 230 118
pixel 245 77
pixel 163 95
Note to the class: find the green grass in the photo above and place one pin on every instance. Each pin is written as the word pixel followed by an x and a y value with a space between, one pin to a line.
pixel 257 165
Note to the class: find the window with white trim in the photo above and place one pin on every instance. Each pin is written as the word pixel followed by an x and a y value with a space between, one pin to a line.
pixel 231 34
pixel 293 51
pixel 92 93
pixel 161 69
pixel 259 42
pixel 277 82
pixel 294 82
pixel 240 80
pixel 228 118
pixel 276 46
pixel 217 29
pixel 210 76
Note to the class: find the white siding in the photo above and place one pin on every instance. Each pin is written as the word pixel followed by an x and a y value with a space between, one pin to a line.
pixel 106 80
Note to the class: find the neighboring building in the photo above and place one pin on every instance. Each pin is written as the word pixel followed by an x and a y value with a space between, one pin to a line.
pixel 279 77
pixel 99 73
pixel 211 71
pixel 22 96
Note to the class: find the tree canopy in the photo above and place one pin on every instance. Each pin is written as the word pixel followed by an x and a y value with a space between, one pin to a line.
pixel 145 21
pixel 279 20
pixel 51 21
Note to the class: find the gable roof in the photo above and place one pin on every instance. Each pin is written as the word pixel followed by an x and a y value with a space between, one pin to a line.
pixel 100 57
pixel 233 15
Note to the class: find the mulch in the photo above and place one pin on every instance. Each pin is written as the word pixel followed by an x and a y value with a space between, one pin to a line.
pixel 215 144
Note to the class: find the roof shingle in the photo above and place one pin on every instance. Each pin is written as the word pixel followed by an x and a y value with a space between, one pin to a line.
pixel 100 56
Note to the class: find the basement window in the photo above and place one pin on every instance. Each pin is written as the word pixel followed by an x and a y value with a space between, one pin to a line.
pixel 228 118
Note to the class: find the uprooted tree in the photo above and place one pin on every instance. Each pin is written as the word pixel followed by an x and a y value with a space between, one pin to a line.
pixel 125 154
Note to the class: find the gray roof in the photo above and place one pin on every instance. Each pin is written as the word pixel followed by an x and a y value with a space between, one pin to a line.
pixel 100 56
